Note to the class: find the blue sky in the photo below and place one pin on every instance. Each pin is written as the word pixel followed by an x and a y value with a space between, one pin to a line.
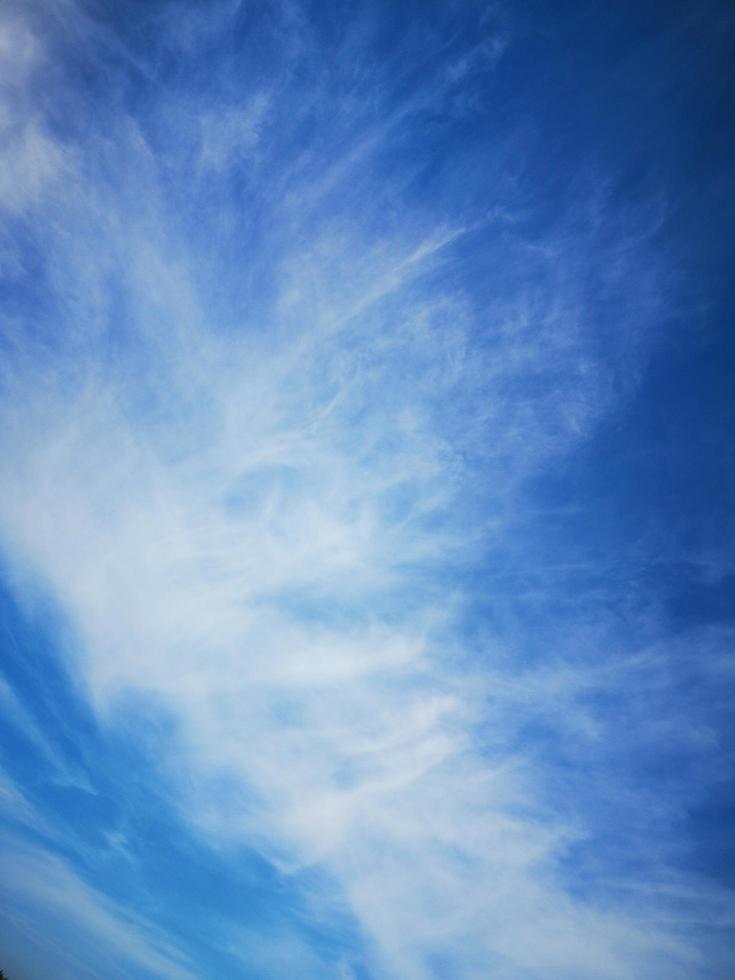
pixel 366 522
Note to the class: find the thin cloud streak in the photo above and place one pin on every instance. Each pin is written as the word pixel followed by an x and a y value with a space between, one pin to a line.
pixel 36 881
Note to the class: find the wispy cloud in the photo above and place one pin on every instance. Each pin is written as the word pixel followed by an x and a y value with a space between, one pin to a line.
pixel 270 404
pixel 80 925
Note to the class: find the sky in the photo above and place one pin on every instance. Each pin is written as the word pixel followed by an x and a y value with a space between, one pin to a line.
pixel 367 580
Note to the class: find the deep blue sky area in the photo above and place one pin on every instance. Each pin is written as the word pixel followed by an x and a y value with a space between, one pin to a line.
pixel 367 490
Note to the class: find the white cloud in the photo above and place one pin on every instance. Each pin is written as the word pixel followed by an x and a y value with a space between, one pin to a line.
pixel 40 893
pixel 252 521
